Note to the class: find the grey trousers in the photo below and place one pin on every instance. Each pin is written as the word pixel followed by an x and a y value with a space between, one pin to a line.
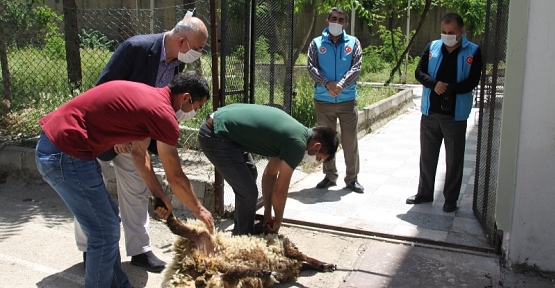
pixel 327 114
pixel 133 205
pixel 434 129
pixel 233 164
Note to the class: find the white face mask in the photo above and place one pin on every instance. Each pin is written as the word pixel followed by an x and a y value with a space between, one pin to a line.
pixel 190 56
pixel 335 29
pixel 309 159
pixel 449 40
pixel 185 116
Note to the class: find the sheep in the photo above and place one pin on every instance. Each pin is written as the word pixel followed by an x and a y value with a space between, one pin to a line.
pixel 239 261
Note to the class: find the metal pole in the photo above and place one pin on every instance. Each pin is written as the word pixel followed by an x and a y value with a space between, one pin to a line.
pixel 218 179
pixel 151 16
pixel 407 44
pixel 352 21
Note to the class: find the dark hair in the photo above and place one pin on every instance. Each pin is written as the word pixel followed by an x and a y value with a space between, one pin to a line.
pixel 453 16
pixel 340 11
pixel 328 138
pixel 191 82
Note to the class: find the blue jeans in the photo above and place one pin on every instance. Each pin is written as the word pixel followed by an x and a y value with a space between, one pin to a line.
pixel 79 182
pixel 236 168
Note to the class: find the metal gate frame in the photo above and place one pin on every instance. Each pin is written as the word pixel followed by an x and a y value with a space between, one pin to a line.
pixel 242 74
pixel 490 102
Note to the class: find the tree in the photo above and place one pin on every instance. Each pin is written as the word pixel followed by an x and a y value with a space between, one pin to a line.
pixel 73 57
pixel 423 16
pixel 14 15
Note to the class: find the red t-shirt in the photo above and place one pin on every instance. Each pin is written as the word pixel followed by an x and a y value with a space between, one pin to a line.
pixel 112 113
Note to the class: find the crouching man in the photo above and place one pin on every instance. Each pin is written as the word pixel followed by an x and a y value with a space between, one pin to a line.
pixel 269 132
pixel 113 113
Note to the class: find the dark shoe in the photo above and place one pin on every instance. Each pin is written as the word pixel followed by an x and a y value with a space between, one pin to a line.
pixel 356 187
pixel 326 183
pixel 415 199
pixel 450 207
pixel 148 261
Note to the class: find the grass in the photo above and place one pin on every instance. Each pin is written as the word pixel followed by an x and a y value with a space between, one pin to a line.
pixel 40 85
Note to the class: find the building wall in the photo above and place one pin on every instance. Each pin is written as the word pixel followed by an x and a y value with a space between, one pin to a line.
pixel 526 196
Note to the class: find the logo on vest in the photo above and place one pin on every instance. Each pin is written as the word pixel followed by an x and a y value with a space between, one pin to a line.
pixel 323 50
pixel 348 49
pixel 430 55
pixel 469 60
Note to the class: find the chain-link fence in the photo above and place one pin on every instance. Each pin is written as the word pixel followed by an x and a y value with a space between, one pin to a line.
pixel 35 61
pixel 41 71
pixel 256 60
pixel 490 102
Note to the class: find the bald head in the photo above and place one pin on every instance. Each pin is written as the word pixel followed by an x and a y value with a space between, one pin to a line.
pixel 191 24
pixel 188 34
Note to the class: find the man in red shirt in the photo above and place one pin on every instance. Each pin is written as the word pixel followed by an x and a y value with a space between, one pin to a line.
pixel 91 123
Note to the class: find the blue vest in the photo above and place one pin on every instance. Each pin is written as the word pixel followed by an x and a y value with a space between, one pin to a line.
pixel 463 102
pixel 333 62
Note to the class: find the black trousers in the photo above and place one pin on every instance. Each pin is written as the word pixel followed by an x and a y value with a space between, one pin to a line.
pixel 434 129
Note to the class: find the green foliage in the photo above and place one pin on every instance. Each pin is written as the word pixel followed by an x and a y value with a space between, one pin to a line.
pixel 46 20
pixel 262 50
pixel 303 100
pixel 473 13
pixel 94 39
pixel 16 13
pixel 372 61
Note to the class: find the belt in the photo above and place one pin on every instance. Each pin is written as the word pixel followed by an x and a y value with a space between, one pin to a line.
pixel 210 121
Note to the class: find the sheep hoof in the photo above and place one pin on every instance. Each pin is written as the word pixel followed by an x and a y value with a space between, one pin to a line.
pixel 272 275
pixel 327 267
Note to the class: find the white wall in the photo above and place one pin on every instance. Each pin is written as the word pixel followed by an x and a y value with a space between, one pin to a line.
pixel 526 197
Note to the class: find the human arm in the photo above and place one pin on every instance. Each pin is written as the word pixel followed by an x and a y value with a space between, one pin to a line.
pixel 468 84
pixel 421 72
pixel 350 78
pixel 315 74
pixel 120 66
pixel 312 64
pixel 180 184
pixel 141 160
pixel 275 187
pixel 422 76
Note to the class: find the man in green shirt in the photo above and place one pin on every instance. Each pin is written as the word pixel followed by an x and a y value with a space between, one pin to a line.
pixel 269 132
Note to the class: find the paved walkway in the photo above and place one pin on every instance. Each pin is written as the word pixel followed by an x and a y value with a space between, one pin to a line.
pixel 389 172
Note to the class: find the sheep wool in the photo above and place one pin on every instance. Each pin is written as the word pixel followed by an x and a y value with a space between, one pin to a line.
pixel 240 261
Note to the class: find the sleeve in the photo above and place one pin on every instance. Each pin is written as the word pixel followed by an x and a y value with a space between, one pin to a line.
pixel 468 84
pixel 350 78
pixel 313 65
pixel 120 65
pixel 162 126
pixel 421 72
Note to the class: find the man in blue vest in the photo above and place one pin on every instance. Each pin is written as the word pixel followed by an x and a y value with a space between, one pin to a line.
pixel 334 62
pixel 449 69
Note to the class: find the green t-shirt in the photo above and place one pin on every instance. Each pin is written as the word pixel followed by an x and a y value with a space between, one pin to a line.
pixel 263 130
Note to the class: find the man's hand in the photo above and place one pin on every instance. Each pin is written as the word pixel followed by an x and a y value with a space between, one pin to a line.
pixel 123 148
pixel 272 226
pixel 441 87
pixel 164 212
pixel 334 88
pixel 206 217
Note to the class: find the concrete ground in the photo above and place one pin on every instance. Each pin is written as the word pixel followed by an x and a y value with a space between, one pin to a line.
pixel 37 249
